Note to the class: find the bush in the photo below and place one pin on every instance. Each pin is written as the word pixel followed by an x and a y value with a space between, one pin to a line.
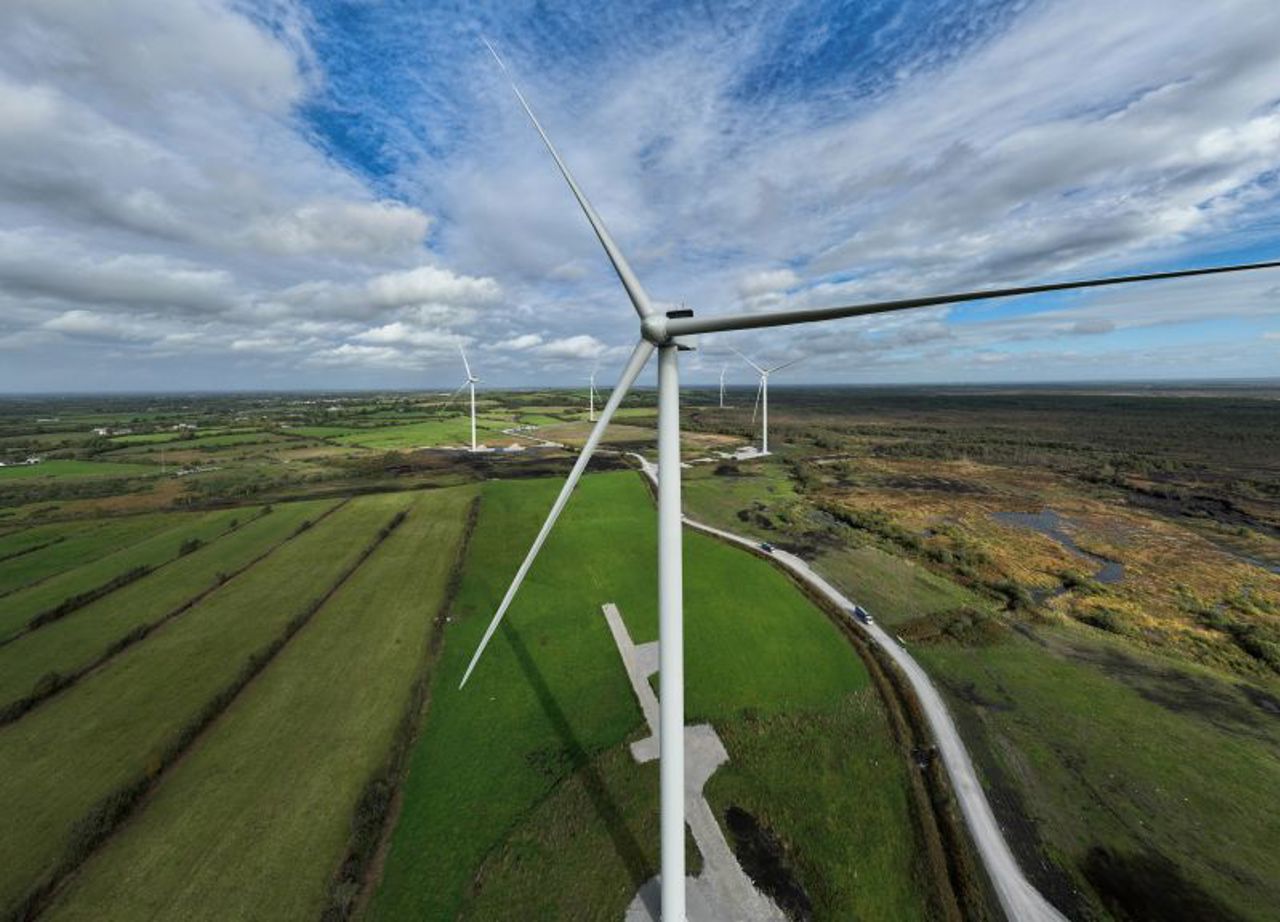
pixel 189 546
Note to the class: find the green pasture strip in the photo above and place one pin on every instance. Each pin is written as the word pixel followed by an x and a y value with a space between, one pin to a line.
pixel 64 647
pixel 22 540
pixel 296 747
pixel 84 542
pixel 553 697
pixel 20 607
pixel 145 438
pixel 60 761
pixel 75 469
pixel 1151 784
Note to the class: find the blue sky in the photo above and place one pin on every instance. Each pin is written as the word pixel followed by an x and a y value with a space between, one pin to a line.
pixel 286 194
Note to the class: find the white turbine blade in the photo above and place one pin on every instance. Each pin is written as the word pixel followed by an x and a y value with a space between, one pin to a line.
pixel 785 365
pixel 634 366
pixel 453 396
pixel 635 291
pixel 466 364
pixel 688 326
pixel 756 407
pixel 747 360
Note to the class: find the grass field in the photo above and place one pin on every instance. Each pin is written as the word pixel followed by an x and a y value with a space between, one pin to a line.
pixel 454 430
pixel 62 759
pixel 154 550
pixel 67 644
pixel 1155 790
pixel 300 743
pixel 51 469
pixel 890 587
pixel 546 778
pixel 77 543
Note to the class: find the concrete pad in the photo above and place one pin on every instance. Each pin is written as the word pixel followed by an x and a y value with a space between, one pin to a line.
pixel 722 892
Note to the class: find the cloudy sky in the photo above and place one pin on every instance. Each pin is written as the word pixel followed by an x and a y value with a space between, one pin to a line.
pixel 286 194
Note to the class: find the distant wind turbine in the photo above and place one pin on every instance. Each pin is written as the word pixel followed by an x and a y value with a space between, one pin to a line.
pixel 471 382
pixel 670 333
pixel 591 394
pixel 763 392
pixel 723 369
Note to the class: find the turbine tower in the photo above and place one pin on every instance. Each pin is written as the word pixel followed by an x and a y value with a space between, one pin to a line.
pixel 763 392
pixel 723 369
pixel 669 334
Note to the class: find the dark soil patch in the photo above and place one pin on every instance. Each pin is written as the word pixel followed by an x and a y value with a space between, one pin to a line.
pixel 1233 708
pixel 968 693
pixel 933 484
pixel 764 858
pixel 1015 821
pixel 1266 702
pixel 1146 885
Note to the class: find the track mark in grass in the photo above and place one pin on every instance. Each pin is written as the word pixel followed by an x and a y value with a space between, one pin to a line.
pixel 53 682
pixel 111 811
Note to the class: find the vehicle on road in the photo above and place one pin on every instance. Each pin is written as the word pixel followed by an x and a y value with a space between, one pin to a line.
pixel 766 547
pixel 863 615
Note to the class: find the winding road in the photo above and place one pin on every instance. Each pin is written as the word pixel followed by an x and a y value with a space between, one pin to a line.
pixel 1018 897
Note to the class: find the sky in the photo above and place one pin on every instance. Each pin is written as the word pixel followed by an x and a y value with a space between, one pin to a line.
pixel 308 194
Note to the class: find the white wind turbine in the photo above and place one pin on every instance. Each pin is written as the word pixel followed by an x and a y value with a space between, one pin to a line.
pixel 471 382
pixel 670 333
pixel 763 392
pixel 591 393
pixel 723 369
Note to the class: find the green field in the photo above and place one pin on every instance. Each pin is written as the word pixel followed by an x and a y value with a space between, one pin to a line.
pixel 116 723
pixel 76 543
pixel 1155 791
pixel 51 469
pixel 66 645
pixel 547 778
pixel 892 588
pixel 300 743
pixel 154 550
pixel 454 430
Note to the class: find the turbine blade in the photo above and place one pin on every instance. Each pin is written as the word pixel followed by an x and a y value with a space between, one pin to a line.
pixel 635 291
pixel 756 407
pixel 453 396
pixel 634 366
pixel 785 365
pixel 747 360
pixel 465 363
pixel 688 326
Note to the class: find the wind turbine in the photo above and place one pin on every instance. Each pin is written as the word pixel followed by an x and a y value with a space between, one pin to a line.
pixel 723 369
pixel 669 334
pixel 591 394
pixel 469 383
pixel 763 392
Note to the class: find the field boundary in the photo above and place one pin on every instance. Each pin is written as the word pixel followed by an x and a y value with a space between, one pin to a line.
pixel 111 812
pixel 378 809
pixel 54 683
pixel 29 550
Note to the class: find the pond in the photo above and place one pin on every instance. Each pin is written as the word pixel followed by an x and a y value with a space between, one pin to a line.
pixel 1050 524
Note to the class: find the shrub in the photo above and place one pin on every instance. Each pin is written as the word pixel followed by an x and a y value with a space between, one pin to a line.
pixel 189 546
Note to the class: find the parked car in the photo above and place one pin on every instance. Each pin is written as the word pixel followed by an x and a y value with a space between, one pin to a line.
pixel 766 547
pixel 863 615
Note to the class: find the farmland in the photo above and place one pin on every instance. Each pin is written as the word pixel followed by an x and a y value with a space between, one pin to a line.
pixel 331 701
pixel 229 687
